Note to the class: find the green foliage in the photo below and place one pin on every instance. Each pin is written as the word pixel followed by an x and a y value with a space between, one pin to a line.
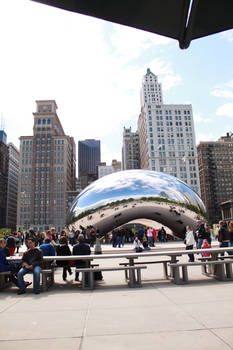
pixel 4 230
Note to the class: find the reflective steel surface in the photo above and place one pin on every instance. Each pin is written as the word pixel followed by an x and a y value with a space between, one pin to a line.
pixel 121 197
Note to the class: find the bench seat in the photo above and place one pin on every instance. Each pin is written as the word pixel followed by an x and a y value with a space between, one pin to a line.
pixel 164 262
pixel 220 269
pixel 88 282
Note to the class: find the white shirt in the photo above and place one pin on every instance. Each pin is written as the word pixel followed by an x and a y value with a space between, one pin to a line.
pixel 189 238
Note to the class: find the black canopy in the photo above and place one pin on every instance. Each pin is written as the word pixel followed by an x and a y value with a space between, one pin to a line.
pixel 183 20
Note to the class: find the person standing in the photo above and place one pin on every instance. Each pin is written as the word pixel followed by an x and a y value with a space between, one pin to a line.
pixel 189 242
pixel 223 235
pixel 200 233
pixel 31 262
pixel 231 235
pixel 150 238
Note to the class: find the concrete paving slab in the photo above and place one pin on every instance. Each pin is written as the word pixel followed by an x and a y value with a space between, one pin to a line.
pixel 192 340
pixel 49 302
pixel 194 293
pixel 129 298
pixel 134 319
pixel 36 325
pixel 51 344
pixel 226 334
pixel 212 315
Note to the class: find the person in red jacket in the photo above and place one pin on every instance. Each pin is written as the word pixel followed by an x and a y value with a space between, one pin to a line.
pixel 205 245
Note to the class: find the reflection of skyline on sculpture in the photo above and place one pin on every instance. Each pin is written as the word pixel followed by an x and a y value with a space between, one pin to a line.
pixel 133 184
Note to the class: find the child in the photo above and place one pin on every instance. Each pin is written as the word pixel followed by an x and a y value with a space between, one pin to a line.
pixel 205 245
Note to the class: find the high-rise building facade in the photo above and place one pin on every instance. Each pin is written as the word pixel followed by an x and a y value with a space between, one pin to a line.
pixel 88 160
pixel 104 169
pixel 47 171
pixel 12 186
pixel 4 160
pixel 166 135
pixel 130 150
pixel 215 160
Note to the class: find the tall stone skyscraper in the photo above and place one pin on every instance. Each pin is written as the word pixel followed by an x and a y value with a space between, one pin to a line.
pixel 12 186
pixel 47 171
pixel 166 135
pixel 130 150
pixel 215 160
pixel 4 163
pixel 88 161
pixel 9 170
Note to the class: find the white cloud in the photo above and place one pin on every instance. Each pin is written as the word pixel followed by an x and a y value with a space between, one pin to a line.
pixel 222 93
pixel 225 110
pixel 228 35
pixel 202 137
pixel 128 43
pixel 224 90
pixel 166 73
pixel 200 118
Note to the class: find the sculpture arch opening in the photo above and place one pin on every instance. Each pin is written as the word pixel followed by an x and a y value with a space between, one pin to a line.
pixel 121 197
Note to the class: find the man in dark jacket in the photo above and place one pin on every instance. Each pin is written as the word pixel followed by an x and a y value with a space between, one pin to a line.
pixel 81 248
pixel 200 233
pixel 223 235
pixel 31 262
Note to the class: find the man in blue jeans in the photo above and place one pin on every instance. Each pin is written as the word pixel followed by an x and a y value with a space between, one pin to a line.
pixel 31 263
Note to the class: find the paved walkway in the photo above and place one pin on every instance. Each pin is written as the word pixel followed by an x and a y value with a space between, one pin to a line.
pixel 160 315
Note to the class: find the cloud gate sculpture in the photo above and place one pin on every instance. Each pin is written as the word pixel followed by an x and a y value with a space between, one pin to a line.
pixel 121 197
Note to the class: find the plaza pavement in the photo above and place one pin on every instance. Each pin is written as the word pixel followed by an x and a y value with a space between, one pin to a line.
pixel 160 315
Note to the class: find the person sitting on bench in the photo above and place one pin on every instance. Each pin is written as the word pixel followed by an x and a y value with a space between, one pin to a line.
pixel 31 262
pixel 81 248
pixel 5 265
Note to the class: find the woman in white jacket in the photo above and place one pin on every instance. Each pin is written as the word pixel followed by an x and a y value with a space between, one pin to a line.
pixel 189 242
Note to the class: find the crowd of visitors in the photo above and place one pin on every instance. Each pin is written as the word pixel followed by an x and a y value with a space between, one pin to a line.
pixel 201 237
pixel 78 242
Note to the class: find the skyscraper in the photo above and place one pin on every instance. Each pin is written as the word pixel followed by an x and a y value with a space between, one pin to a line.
pixel 104 169
pixel 88 160
pixel 9 171
pixel 4 159
pixel 166 135
pixel 47 171
pixel 215 160
pixel 12 186
pixel 130 150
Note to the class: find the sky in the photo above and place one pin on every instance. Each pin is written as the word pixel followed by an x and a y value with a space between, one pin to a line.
pixel 94 70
